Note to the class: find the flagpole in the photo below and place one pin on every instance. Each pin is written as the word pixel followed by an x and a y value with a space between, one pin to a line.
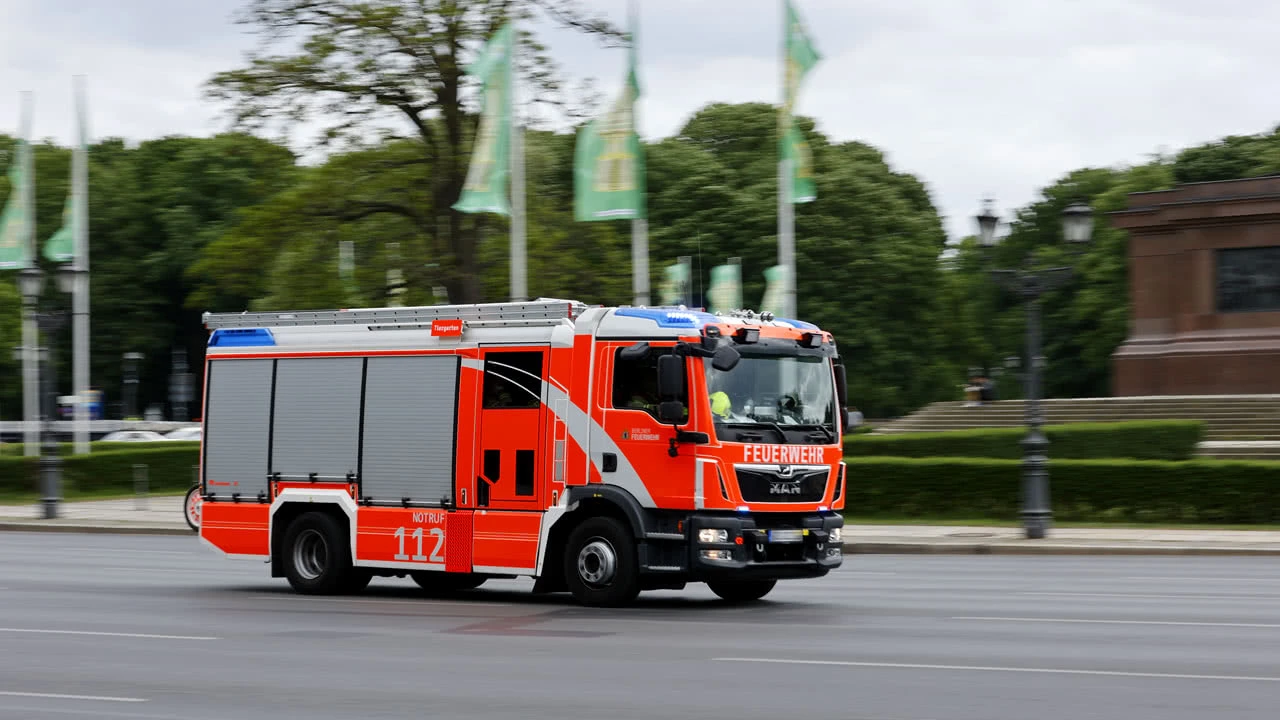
pixel 786 211
pixel 639 225
pixel 80 302
pixel 519 284
pixel 30 354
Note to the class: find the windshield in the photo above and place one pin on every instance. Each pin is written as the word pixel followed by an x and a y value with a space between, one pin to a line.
pixel 773 398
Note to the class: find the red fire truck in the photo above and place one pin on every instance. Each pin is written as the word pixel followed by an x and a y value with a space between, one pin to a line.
pixel 600 450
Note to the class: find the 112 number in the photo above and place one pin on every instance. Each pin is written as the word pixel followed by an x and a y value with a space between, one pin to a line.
pixel 437 533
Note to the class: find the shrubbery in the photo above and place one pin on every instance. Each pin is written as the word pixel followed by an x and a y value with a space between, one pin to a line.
pixel 1111 490
pixel 1142 440
pixel 107 469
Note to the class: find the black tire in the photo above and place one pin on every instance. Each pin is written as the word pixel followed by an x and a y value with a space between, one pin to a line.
pixel 317 556
pixel 187 502
pixel 600 565
pixel 446 582
pixel 741 591
pixel 357 580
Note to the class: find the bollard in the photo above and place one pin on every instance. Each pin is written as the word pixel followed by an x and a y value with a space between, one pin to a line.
pixel 140 486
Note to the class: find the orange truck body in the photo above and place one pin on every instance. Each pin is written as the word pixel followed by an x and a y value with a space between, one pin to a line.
pixel 602 451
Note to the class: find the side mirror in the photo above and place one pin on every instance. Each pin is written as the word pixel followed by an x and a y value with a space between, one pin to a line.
pixel 671 377
pixel 726 358
pixel 851 419
pixel 842 386
pixel 671 388
pixel 671 412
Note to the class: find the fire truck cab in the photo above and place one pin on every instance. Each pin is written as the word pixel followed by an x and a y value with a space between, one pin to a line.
pixel 602 451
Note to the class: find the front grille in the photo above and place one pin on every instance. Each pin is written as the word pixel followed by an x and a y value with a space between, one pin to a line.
pixel 773 484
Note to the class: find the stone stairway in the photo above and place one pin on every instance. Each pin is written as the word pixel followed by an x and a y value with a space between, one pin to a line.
pixel 1236 426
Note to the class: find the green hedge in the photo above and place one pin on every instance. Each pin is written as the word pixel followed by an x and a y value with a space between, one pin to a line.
pixel 1141 440
pixel 1116 490
pixel 169 468
pixel 66 448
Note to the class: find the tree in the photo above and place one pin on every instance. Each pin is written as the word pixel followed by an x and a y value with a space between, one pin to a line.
pixel 359 64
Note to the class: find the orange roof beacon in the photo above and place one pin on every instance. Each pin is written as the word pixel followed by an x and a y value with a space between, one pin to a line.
pixel 600 450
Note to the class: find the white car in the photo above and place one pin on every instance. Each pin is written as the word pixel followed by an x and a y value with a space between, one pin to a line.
pixel 132 436
pixel 191 433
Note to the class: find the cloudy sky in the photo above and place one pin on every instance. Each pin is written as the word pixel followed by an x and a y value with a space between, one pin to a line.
pixel 976 97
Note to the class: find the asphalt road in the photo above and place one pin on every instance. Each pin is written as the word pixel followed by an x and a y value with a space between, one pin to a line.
pixel 103 626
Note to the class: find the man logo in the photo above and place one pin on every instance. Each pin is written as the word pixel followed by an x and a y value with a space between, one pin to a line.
pixel 785 485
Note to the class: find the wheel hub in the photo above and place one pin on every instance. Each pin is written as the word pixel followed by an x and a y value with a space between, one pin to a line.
pixel 310 554
pixel 597 562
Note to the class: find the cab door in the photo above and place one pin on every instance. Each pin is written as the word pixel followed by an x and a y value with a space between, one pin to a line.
pixel 509 428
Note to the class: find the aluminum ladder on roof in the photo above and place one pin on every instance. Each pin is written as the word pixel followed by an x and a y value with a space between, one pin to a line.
pixel 542 309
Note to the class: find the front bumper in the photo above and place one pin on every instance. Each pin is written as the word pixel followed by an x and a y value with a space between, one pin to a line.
pixel 764 547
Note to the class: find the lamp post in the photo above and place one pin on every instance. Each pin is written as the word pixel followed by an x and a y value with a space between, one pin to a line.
pixel 31 283
pixel 131 360
pixel 1032 284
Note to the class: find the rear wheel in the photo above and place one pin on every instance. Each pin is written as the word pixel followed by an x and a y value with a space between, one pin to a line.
pixel 600 564
pixel 446 582
pixel 191 505
pixel 358 580
pixel 741 590
pixel 316 557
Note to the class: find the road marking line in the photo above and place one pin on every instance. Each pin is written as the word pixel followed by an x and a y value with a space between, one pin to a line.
pixel 1117 622
pixel 989 668
pixel 106 634
pixel 1153 596
pixel 1185 578
pixel 59 696
pixel 462 602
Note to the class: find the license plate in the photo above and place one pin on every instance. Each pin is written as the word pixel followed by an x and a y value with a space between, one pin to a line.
pixel 786 536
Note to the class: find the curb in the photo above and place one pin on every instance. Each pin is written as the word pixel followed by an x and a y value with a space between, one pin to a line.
pixel 850 548
pixel 924 548
pixel 94 529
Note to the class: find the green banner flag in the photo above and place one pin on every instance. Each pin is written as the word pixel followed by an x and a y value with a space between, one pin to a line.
pixel 801 56
pixel 14 223
pixel 609 168
pixel 61 246
pixel 725 292
pixel 772 301
pixel 485 189
pixel 675 284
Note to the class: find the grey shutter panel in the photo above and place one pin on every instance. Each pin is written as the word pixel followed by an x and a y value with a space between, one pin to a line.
pixel 410 428
pixel 237 425
pixel 317 417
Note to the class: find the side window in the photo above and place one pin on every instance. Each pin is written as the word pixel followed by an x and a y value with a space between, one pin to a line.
pixel 635 382
pixel 513 380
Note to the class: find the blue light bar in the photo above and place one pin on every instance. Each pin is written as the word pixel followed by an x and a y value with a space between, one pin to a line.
pixel 242 337
pixel 673 318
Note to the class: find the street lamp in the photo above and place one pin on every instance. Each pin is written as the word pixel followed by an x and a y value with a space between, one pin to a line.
pixel 1031 284
pixel 30 285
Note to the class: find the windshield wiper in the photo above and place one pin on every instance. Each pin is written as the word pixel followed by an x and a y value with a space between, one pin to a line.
pixel 761 423
pixel 781 433
pixel 826 431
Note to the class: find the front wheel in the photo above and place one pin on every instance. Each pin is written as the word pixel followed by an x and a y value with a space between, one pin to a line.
pixel 738 591
pixel 317 557
pixel 191 505
pixel 600 564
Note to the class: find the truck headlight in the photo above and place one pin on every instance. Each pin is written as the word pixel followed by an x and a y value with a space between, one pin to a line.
pixel 835 535
pixel 713 535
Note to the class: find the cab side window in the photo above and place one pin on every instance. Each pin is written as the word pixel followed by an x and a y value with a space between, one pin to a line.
pixel 635 382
